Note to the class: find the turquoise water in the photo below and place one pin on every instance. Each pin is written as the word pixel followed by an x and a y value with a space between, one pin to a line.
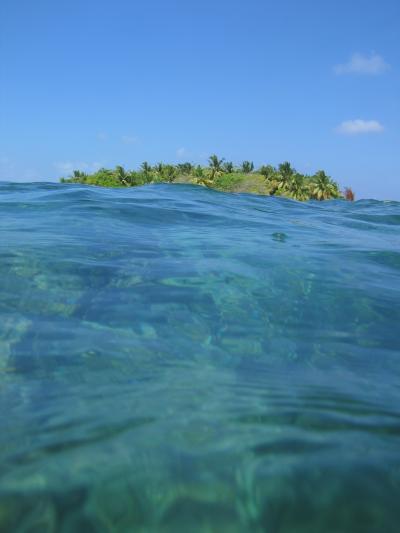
pixel 176 359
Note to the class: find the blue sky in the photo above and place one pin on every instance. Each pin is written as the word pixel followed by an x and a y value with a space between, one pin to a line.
pixel 98 83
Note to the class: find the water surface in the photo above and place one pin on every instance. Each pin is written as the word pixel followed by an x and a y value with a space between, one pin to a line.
pixel 174 359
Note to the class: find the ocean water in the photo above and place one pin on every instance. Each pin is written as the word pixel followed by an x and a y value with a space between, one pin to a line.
pixel 174 359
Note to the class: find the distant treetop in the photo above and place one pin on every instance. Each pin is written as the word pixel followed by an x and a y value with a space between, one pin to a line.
pixel 223 175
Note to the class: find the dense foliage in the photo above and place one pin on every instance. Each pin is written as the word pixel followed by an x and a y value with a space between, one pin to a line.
pixel 222 175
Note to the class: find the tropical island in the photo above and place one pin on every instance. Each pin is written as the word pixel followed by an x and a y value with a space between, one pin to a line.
pixel 222 175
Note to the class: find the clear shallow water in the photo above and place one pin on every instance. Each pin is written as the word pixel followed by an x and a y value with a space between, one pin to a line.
pixel 175 359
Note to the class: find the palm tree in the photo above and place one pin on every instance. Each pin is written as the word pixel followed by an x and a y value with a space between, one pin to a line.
pixel 79 176
pixel 134 178
pixel 228 167
pixel 298 187
pixel 120 174
pixel 158 168
pixel 323 187
pixel 286 170
pixel 169 173
pixel 247 167
pixel 268 171
pixel 185 168
pixel 284 177
pixel 158 171
pixel 215 165
pixel 198 172
pixel 146 172
pixel 145 167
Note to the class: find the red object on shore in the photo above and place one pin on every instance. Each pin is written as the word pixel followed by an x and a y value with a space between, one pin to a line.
pixel 349 194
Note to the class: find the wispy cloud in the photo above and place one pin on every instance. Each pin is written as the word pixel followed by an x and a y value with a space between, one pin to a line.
pixel 359 126
pixel 15 172
pixel 67 167
pixel 102 136
pixel 181 152
pixel 129 139
pixel 372 65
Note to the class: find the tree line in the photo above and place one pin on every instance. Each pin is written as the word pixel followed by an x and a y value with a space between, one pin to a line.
pixel 283 180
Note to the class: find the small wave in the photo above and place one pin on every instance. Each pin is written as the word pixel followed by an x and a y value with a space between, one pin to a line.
pixel 170 351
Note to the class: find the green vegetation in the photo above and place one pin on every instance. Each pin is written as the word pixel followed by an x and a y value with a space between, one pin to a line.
pixel 223 176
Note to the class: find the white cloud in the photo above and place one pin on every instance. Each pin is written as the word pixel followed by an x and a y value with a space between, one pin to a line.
pixel 67 167
pixel 129 139
pixel 181 152
pixel 359 126
pixel 102 136
pixel 373 65
pixel 9 171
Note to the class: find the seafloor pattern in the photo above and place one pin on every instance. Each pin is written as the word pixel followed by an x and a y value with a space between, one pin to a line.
pixel 173 359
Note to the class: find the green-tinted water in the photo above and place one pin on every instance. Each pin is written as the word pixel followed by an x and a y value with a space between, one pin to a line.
pixel 174 359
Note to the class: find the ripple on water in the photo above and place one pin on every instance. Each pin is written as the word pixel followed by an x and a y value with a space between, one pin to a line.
pixel 177 359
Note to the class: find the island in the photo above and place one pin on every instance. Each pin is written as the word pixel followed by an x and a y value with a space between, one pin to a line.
pixel 222 175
